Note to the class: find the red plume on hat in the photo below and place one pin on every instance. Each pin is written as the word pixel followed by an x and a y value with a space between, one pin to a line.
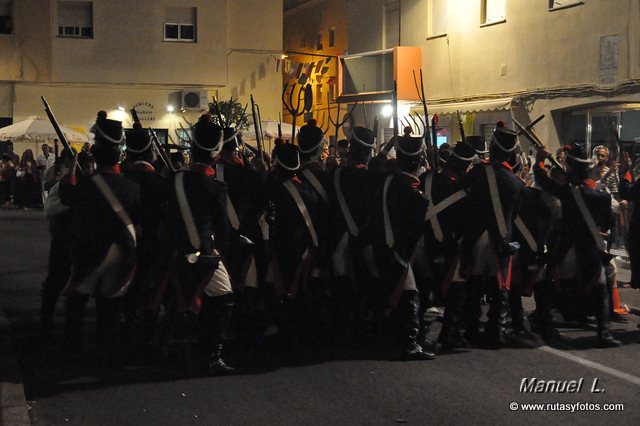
pixel 500 123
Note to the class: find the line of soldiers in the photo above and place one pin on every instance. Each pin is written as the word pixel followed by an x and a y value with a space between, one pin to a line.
pixel 317 256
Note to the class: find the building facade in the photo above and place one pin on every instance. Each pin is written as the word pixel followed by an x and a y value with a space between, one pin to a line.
pixel 315 35
pixel 575 61
pixel 154 55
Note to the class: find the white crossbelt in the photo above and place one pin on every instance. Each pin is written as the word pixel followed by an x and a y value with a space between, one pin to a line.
pixel 526 234
pixel 588 218
pixel 495 200
pixel 117 207
pixel 388 230
pixel 231 211
pixel 185 211
pixel 303 210
pixel 346 213
pixel 313 180
pixel 434 210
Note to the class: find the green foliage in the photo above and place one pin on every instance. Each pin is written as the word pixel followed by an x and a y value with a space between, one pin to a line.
pixel 233 114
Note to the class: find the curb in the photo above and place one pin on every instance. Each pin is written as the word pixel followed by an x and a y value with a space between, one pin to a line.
pixel 13 403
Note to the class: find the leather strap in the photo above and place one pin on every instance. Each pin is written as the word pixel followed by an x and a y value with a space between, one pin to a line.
pixel 116 205
pixel 303 210
pixel 185 211
pixel 313 180
pixel 342 202
pixel 231 211
pixel 588 218
pixel 495 200
pixel 526 234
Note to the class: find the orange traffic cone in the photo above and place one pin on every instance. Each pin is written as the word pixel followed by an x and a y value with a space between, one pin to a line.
pixel 616 300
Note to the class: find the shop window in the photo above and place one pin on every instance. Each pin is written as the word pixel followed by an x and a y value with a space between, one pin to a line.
pixel 563 4
pixel 437 18
pixel 319 94
pixel 75 19
pixel 180 24
pixel 493 12
pixel 6 20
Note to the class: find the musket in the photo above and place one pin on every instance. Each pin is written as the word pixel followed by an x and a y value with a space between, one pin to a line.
pixel 461 126
pixel 535 140
pixel 56 127
pixel 163 154
pixel 280 125
pixel 216 109
pixel 420 90
pixel 434 138
pixel 394 104
pixel 256 128
pixel 533 123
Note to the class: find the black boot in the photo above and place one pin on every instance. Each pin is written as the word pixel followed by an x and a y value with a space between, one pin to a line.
pixel 543 320
pixel 517 312
pixel 498 308
pixel 605 338
pixel 408 327
pixel 216 313
pixel 472 309
pixel 450 336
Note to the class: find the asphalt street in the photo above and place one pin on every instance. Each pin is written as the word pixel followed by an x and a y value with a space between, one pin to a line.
pixel 476 386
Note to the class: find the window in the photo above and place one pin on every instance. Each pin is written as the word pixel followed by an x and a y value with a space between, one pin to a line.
pixel 437 18
pixel 319 94
pixel 319 41
pixel 563 4
pixel 6 21
pixel 493 12
pixel 180 24
pixel 75 19
pixel 332 37
pixel 391 24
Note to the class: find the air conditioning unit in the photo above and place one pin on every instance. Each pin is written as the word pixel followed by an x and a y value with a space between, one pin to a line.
pixel 195 99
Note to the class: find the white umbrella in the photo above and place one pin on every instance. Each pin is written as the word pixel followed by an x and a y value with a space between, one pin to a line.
pixel 36 130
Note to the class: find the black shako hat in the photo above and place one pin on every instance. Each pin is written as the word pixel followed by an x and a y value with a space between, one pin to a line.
pixel 138 140
pixel 409 146
pixel 505 139
pixel 108 132
pixel 309 138
pixel 363 137
pixel 207 136
pixel 287 156
pixel 463 152
pixel 478 143
pixel 576 153
pixel 230 139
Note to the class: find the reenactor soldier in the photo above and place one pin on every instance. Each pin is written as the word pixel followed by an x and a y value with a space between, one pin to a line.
pixel 579 253
pixel 495 197
pixel 531 228
pixel 479 144
pixel 396 223
pixel 294 242
pixel 437 256
pixel 140 167
pixel 246 257
pixel 318 190
pixel 353 190
pixel 103 247
pixel 196 230
pixel 630 191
